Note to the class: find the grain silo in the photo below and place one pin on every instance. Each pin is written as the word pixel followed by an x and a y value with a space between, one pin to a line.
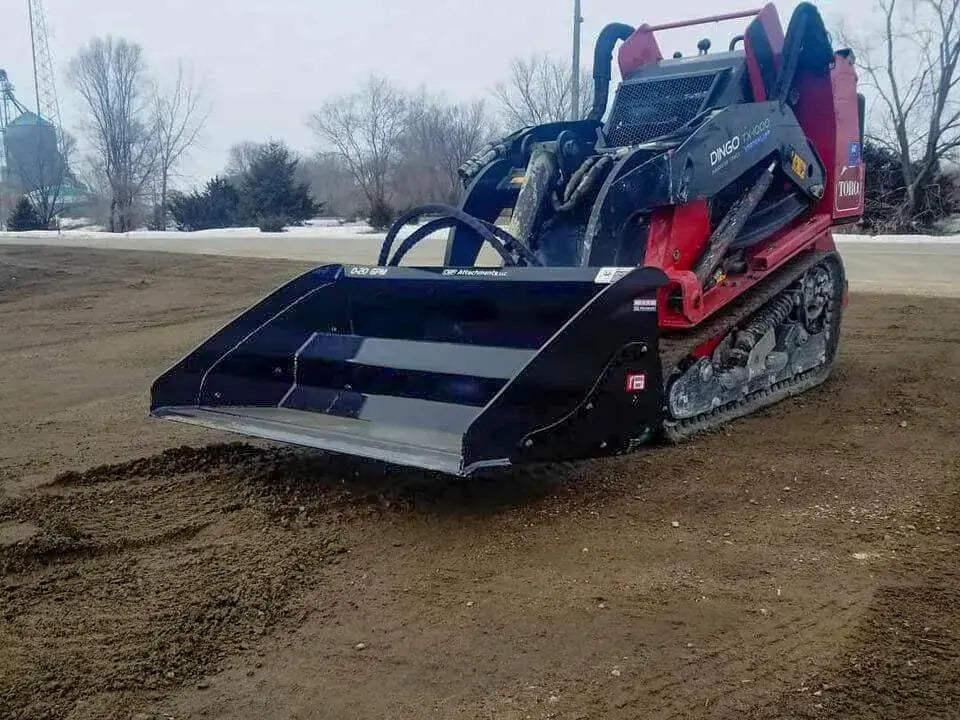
pixel 32 157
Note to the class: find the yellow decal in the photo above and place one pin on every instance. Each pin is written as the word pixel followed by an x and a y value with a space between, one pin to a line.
pixel 799 166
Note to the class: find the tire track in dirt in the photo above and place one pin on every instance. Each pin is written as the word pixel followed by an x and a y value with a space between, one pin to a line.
pixel 902 657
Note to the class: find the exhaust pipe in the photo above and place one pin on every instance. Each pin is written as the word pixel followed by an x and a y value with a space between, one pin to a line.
pixel 602 59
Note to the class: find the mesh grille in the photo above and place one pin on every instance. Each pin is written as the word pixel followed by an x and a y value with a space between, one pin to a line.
pixel 644 111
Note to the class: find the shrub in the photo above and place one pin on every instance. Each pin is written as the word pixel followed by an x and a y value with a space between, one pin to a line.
pixel 885 196
pixel 269 189
pixel 215 206
pixel 24 217
pixel 272 223
pixel 381 216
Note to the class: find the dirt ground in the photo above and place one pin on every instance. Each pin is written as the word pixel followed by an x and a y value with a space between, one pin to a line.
pixel 149 570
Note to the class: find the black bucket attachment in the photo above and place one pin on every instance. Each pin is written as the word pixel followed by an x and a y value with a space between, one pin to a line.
pixel 450 369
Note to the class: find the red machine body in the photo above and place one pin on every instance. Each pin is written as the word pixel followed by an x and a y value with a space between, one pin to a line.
pixel 829 112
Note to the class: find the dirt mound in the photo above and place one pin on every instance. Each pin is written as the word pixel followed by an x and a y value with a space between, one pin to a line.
pixel 146 575
pixel 295 481
pixel 161 568
pixel 175 461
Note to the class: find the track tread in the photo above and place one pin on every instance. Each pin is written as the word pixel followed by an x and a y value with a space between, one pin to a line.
pixel 677 347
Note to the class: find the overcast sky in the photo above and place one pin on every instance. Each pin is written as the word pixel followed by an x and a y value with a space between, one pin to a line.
pixel 267 63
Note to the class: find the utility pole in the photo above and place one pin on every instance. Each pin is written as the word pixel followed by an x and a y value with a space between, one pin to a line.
pixel 575 75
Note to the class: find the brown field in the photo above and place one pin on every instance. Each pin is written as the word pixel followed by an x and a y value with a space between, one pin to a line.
pixel 149 570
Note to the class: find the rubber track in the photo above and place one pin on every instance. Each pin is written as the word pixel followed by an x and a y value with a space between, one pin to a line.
pixel 675 347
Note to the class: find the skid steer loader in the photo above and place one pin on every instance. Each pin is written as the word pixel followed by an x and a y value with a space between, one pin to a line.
pixel 667 266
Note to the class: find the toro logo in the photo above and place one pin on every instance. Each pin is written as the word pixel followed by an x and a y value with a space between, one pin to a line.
pixel 850 189
pixel 636 382
pixel 728 148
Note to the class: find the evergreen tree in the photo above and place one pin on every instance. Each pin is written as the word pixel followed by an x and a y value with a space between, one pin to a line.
pixel 215 206
pixel 270 196
pixel 24 217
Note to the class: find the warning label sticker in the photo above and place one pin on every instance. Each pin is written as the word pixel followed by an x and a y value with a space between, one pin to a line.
pixel 799 166
pixel 607 275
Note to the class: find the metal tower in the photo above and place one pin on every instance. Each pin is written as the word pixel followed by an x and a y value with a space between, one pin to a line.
pixel 48 105
pixel 9 104
pixel 10 108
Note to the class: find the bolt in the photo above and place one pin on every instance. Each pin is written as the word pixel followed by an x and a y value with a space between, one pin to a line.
pixel 528 443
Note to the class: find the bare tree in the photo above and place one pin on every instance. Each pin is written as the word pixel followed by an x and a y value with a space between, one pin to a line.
pixel 240 157
pixel 364 130
pixel 110 76
pixel 539 91
pixel 332 184
pixel 438 139
pixel 910 65
pixel 178 119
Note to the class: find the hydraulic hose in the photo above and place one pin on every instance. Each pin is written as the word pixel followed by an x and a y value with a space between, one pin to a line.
pixel 510 250
pixel 584 181
pixel 602 60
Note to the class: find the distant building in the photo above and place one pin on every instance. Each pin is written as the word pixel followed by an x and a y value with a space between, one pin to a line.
pixel 32 157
